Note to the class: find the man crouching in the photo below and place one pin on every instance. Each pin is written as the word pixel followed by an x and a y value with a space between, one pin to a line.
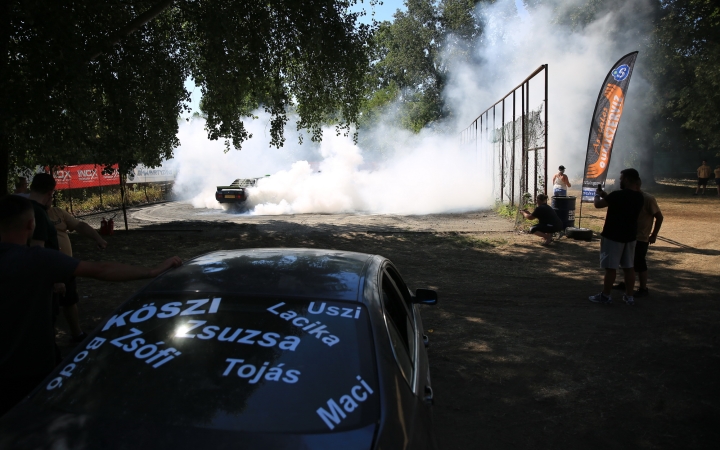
pixel 548 220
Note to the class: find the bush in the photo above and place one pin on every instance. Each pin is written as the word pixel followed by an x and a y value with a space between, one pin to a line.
pixel 108 197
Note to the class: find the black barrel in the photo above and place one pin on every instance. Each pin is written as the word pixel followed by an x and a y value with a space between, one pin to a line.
pixel 565 209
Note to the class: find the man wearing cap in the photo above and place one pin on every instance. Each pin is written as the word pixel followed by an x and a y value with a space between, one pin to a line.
pixel 560 183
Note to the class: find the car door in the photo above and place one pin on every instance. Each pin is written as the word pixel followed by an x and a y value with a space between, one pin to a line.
pixel 406 333
pixel 423 388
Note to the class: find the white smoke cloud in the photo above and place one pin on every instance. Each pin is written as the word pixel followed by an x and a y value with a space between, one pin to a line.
pixel 515 45
pixel 430 172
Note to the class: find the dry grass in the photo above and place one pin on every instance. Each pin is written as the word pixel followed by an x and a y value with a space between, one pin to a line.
pixel 90 200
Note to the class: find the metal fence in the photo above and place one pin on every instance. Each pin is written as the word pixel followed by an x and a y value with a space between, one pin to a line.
pixel 514 145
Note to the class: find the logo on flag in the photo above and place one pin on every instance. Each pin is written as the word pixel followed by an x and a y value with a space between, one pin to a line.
pixel 621 72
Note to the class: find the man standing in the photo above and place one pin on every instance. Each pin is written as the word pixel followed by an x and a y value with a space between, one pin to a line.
pixel 21 187
pixel 27 275
pixel 703 172
pixel 42 190
pixel 548 220
pixel 650 212
pixel 68 300
pixel 617 243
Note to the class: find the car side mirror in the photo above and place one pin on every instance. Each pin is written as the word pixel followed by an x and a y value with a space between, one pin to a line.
pixel 425 297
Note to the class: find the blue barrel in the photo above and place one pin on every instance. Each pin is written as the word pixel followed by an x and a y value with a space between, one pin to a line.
pixel 565 209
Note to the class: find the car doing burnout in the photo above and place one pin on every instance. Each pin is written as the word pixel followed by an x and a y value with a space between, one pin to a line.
pixel 235 195
pixel 251 349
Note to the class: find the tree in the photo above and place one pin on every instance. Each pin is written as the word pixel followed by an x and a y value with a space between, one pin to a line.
pixel 102 82
pixel 410 59
pixel 686 74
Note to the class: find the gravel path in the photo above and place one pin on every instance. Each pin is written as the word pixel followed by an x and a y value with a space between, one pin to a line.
pixel 176 213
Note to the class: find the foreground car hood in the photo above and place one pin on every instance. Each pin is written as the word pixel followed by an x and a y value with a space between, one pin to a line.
pixel 77 432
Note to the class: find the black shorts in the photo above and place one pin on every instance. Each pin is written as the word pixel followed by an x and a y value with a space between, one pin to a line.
pixel 717 181
pixel 71 296
pixel 702 181
pixel 544 228
pixel 641 249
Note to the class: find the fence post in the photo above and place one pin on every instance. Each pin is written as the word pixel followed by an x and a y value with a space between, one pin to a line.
pixel 546 128
pixel 122 198
pixel 502 159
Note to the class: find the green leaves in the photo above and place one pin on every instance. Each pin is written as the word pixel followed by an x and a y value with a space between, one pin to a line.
pixel 410 60
pixel 61 105
pixel 686 71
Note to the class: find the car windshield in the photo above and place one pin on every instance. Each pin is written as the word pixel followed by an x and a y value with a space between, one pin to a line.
pixel 225 362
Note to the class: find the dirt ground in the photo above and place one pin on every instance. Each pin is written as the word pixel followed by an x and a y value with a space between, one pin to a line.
pixel 519 357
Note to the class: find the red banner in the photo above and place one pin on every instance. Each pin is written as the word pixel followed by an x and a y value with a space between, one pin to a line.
pixel 85 176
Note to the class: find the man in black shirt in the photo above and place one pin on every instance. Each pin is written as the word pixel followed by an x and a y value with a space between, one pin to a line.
pixel 617 244
pixel 42 190
pixel 548 220
pixel 27 275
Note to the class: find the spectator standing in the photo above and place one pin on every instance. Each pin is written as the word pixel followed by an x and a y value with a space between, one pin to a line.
pixel 703 172
pixel 560 183
pixel 647 234
pixel 548 220
pixel 64 222
pixel 619 235
pixel 27 275
pixel 21 187
pixel 717 178
pixel 42 190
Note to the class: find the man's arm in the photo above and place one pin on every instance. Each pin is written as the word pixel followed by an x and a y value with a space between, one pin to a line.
pixel 527 215
pixel 88 231
pixel 656 229
pixel 600 199
pixel 112 271
pixel 567 181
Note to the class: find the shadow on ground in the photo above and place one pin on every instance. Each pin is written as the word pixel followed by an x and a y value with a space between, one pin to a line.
pixel 519 357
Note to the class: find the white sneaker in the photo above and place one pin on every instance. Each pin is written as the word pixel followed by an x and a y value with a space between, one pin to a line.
pixel 601 298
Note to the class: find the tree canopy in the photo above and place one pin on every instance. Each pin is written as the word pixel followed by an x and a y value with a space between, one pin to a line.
pixel 409 67
pixel 103 82
pixel 685 48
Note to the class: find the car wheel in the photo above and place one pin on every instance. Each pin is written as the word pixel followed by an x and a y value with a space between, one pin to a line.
pixel 579 234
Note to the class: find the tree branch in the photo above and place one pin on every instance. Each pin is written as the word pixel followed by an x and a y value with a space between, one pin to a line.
pixel 130 28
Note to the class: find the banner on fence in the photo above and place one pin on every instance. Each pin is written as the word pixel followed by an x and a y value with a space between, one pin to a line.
pixel 604 125
pixel 142 174
pixel 85 176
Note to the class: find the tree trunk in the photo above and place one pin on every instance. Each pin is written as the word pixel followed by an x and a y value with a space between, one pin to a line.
pixel 4 138
pixel 4 163
pixel 647 167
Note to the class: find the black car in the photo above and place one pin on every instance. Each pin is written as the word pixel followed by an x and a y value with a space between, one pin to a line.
pixel 234 196
pixel 248 349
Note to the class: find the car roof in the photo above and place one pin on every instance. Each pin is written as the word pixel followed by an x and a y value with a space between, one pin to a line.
pixel 280 272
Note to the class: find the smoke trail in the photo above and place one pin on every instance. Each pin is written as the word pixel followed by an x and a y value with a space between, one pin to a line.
pixel 430 172
pixel 514 45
